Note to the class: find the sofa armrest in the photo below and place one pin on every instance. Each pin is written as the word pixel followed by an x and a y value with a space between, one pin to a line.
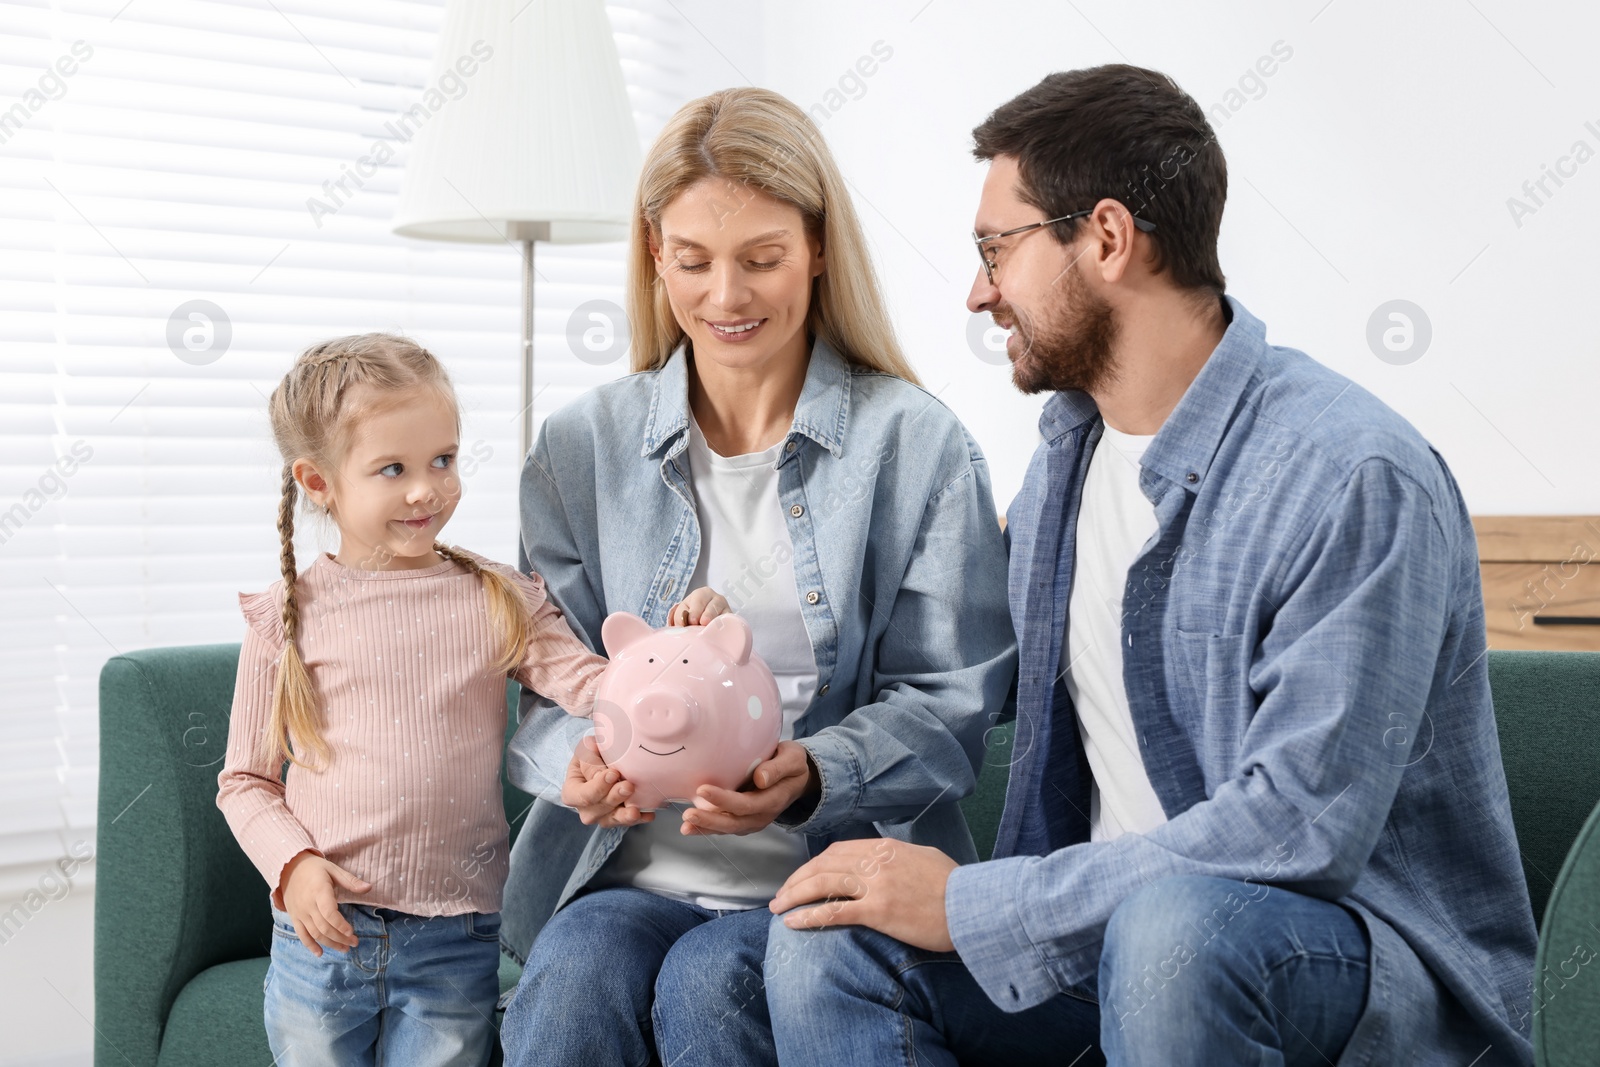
pixel 1566 987
pixel 174 892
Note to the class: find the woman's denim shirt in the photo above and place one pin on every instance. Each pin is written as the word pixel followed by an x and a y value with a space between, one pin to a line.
pixel 900 568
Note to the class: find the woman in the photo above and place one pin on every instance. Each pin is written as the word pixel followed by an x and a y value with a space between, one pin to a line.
pixel 773 444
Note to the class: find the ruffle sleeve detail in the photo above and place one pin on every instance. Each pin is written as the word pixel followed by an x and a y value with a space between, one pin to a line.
pixel 531 585
pixel 264 612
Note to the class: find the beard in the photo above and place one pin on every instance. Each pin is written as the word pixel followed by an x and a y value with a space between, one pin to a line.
pixel 1070 346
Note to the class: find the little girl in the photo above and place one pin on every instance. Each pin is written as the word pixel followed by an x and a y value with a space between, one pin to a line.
pixel 379 676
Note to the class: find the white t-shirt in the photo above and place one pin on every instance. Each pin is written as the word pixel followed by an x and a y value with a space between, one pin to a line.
pixel 1114 523
pixel 747 556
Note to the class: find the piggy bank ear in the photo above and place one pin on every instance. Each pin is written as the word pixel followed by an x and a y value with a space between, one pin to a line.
pixel 622 629
pixel 731 635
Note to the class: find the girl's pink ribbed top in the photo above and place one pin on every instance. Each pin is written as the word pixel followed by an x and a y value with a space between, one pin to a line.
pixel 414 716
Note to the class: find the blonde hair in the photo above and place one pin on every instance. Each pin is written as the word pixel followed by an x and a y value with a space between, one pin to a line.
pixel 313 417
pixel 759 139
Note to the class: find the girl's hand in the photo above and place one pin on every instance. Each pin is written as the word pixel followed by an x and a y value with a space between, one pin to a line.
pixel 775 785
pixel 308 897
pixel 698 608
pixel 599 793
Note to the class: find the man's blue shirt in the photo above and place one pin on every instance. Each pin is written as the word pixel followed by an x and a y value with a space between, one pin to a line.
pixel 1304 657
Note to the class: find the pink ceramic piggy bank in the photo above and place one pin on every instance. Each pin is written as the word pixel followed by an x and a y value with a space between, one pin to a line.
pixel 684 706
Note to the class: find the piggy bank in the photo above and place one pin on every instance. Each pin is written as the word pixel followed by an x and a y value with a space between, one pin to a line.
pixel 684 706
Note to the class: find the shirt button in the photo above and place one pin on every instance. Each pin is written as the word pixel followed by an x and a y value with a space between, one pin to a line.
pixel 789 447
pixel 813 596
pixel 797 511
pixel 1191 477
pixel 823 691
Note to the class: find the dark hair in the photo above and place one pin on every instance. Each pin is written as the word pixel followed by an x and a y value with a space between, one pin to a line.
pixel 1126 133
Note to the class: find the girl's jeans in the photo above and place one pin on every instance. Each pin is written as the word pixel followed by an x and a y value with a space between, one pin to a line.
pixel 414 990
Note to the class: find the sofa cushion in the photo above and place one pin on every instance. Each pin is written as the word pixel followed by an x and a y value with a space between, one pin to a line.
pixel 510 973
pixel 217 1019
pixel 982 808
pixel 1547 709
pixel 1566 995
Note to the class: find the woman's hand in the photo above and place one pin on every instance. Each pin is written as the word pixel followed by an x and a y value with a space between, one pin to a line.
pixel 599 793
pixel 308 896
pixel 778 783
pixel 698 608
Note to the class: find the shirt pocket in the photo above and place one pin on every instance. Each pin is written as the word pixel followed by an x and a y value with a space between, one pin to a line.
pixel 1211 696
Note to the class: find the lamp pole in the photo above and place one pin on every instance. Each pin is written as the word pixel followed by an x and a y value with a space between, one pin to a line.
pixel 543 147
pixel 527 346
pixel 528 234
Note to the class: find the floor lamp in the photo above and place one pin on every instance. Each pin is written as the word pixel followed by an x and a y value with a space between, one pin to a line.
pixel 523 134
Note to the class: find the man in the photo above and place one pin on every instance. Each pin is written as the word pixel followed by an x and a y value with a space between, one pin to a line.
pixel 1256 811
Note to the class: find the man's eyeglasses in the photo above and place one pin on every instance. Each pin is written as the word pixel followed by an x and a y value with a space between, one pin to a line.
pixel 990 265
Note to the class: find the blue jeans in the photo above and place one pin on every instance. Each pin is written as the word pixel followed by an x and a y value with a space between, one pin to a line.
pixel 623 976
pixel 414 990
pixel 1193 970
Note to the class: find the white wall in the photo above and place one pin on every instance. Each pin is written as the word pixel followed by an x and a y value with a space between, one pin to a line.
pixel 1374 164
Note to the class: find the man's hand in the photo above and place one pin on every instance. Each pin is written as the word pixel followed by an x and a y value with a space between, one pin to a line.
pixel 308 885
pixel 778 783
pixel 599 793
pixel 886 885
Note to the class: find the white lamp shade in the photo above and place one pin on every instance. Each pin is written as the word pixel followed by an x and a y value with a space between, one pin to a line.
pixel 532 136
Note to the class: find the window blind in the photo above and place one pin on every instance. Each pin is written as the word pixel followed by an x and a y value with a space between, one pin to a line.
pixel 156 174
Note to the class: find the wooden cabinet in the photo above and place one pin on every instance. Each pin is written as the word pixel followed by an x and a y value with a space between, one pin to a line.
pixel 1541 580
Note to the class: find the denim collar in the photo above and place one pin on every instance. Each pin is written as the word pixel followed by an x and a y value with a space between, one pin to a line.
pixel 821 413
pixel 1188 441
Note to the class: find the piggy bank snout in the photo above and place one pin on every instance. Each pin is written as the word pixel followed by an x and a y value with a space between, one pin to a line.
pixel 665 714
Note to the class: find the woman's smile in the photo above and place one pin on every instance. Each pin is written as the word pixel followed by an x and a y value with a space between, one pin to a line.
pixel 736 331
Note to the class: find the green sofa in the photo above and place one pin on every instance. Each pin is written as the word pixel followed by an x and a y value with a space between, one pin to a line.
pixel 182 927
